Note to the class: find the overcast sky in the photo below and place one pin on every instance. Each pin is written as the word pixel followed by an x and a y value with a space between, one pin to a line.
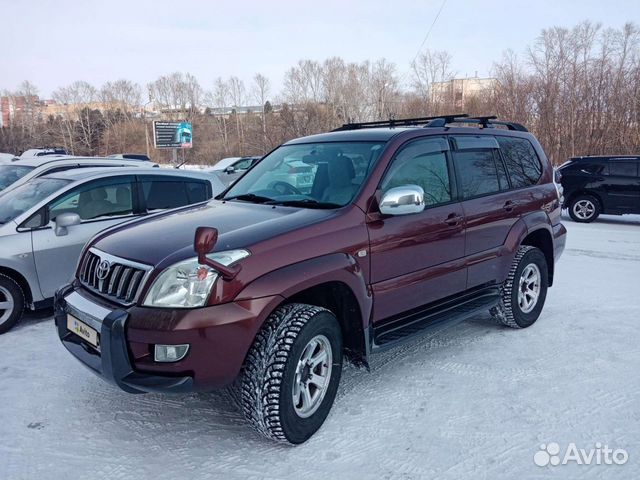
pixel 53 43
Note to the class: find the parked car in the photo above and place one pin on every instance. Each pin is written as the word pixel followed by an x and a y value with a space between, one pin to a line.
pixel 267 287
pixel 17 173
pixel 235 164
pixel 228 170
pixel 601 184
pixel 131 156
pixel 45 223
pixel 7 157
pixel 43 152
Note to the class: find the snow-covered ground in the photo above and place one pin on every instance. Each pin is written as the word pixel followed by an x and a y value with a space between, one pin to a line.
pixel 477 401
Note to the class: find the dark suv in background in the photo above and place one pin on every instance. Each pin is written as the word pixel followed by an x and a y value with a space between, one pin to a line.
pixel 404 227
pixel 602 184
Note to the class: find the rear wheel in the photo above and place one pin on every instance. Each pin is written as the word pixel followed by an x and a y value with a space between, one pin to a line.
pixel 291 374
pixel 584 208
pixel 525 290
pixel 11 303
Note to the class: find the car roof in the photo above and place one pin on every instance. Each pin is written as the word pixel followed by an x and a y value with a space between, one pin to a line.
pixel 101 172
pixel 385 134
pixel 39 161
pixel 607 157
pixel 357 135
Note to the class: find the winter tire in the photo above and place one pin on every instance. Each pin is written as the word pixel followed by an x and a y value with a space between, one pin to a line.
pixel 523 293
pixel 584 208
pixel 290 377
pixel 11 303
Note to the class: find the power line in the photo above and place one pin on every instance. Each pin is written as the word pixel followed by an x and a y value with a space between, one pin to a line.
pixel 429 31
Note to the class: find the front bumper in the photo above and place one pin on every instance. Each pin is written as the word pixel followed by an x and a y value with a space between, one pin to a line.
pixel 219 338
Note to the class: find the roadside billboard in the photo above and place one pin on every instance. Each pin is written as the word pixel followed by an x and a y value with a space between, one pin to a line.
pixel 172 135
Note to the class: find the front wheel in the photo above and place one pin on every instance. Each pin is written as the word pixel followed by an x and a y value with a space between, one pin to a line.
pixel 291 374
pixel 524 291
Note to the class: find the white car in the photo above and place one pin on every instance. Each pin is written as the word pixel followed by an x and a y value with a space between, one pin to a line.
pixel 17 173
pixel 43 152
pixel 7 157
pixel 45 223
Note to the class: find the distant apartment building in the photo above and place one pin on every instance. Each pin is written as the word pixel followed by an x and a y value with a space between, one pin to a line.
pixel 12 108
pixel 458 91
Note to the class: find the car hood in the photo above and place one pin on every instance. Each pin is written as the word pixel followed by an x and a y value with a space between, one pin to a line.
pixel 239 224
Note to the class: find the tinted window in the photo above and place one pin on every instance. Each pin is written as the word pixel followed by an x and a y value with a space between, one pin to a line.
pixel 197 192
pixel 163 193
pixel 422 163
pixel 477 171
pixel 102 198
pixel 623 169
pixel 521 160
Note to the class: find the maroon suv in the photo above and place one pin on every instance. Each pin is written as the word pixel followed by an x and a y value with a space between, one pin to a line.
pixel 395 229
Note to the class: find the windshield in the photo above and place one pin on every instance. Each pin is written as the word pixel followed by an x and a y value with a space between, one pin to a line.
pixel 313 175
pixel 17 201
pixel 12 173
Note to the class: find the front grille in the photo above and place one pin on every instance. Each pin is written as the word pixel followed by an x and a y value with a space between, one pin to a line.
pixel 115 278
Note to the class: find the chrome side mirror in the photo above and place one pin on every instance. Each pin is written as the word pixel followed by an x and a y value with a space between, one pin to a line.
pixel 230 169
pixel 65 220
pixel 402 200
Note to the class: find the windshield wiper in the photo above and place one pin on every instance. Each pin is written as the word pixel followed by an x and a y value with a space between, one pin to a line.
pixel 307 202
pixel 250 197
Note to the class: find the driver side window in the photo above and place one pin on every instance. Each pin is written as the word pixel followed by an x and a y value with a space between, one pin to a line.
pixel 422 163
pixel 101 198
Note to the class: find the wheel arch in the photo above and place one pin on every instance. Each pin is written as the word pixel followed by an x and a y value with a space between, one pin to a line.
pixel 335 282
pixel 542 239
pixel 20 280
pixel 584 191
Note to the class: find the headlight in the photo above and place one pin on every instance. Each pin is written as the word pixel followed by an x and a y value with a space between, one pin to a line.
pixel 188 284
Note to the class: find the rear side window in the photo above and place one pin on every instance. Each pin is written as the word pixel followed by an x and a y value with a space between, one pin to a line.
pixel 197 192
pixel 521 160
pixel 163 193
pixel 623 169
pixel 478 171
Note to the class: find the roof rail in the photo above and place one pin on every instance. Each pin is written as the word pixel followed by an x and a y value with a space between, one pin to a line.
pixel 486 121
pixel 392 122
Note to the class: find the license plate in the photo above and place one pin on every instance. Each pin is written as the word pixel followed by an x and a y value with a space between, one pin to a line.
pixel 83 330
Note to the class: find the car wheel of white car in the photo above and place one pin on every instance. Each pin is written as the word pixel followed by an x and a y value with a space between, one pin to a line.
pixel 11 303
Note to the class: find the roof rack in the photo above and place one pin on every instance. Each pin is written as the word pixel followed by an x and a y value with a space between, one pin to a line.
pixel 486 121
pixel 392 122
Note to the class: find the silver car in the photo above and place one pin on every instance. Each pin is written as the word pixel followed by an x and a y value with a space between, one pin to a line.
pixel 17 173
pixel 45 223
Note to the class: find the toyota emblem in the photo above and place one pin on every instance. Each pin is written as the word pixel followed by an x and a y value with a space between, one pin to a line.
pixel 103 270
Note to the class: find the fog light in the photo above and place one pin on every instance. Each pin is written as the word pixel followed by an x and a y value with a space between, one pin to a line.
pixel 170 353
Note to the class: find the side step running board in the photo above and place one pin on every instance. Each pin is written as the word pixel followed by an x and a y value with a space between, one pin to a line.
pixel 434 318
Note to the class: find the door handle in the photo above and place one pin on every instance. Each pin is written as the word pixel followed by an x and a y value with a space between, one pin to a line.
pixel 453 220
pixel 509 205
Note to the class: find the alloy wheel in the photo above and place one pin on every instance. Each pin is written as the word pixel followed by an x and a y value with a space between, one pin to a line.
pixel 312 376
pixel 529 288
pixel 7 305
pixel 584 209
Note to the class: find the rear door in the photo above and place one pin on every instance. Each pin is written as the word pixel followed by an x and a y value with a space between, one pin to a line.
pixel 490 206
pixel 622 186
pixel 418 258
pixel 100 204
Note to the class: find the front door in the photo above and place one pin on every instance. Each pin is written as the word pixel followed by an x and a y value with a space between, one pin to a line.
pixel 418 258
pixel 100 204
